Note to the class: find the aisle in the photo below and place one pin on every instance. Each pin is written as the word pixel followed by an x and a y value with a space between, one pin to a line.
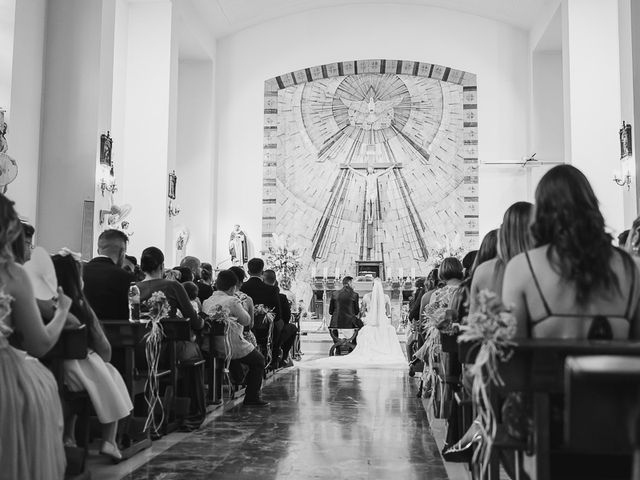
pixel 320 425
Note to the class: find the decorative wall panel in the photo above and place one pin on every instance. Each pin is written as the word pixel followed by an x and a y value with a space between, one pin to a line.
pixel 371 160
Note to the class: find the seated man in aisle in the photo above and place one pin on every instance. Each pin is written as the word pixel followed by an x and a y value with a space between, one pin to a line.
pixel 106 283
pixel 284 332
pixel 241 349
pixel 265 295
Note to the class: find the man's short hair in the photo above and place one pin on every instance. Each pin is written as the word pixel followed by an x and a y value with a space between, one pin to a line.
pixel 206 266
pixel 269 277
pixel 110 237
pixel 255 266
pixel 226 279
pixel 346 280
pixel 239 271
pixel 192 263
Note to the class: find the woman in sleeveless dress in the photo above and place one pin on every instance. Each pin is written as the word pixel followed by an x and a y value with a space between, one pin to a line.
pixel 30 413
pixel 575 279
pixel 378 345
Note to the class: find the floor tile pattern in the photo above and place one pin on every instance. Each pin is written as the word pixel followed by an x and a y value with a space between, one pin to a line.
pixel 365 424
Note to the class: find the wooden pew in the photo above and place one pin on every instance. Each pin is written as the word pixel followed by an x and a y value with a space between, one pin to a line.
pixel 72 345
pixel 538 367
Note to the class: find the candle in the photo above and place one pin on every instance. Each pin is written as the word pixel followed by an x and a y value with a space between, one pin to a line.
pixel 337 275
pixel 400 272
pixel 413 273
pixel 313 272
pixel 325 272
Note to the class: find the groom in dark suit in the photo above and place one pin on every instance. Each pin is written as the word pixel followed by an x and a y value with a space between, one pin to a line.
pixel 344 308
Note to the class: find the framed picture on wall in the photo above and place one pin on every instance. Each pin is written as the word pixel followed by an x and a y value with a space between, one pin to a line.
pixel 625 140
pixel 173 179
pixel 106 145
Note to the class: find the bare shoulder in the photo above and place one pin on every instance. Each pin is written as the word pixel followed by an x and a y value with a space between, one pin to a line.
pixel 485 270
pixel 15 279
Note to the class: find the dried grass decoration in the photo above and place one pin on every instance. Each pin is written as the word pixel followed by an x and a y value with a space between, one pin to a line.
pixel 493 328
pixel 158 308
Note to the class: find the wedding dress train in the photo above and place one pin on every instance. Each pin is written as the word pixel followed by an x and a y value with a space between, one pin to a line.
pixel 377 342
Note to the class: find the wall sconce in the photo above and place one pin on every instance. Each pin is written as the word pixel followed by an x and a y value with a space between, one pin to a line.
pixel 174 209
pixel 107 180
pixel 622 180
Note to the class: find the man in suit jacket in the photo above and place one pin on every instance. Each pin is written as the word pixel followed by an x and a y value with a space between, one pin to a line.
pixel 344 308
pixel 106 283
pixel 264 294
pixel 284 331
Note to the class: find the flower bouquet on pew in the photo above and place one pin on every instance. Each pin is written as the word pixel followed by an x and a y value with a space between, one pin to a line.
pixel 263 321
pixel 492 327
pixel 157 308
pixel 219 320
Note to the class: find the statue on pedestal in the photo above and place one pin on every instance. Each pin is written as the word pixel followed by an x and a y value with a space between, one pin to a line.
pixel 238 246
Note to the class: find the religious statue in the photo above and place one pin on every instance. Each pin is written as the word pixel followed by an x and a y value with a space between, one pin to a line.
pixel 238 246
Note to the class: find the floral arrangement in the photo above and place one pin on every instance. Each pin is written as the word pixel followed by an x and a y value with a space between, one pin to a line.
pixel 493 327
pixel 158 308
pixel 222 315
pixel 448 249
pixel 267 315
pixel 283 257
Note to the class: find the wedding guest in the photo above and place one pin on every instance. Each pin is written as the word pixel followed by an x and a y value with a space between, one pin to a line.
pixel 513 238
pixel 30 411
pixel 193 264
pixel 186 275
pixel 241 349
pixel 261 294
pixel 28 232
pixel 414 304
pixel 344 308
pixel 284 331
pixel 93 374
pixel 130 264
pixel 106 283
pixel 192 292
pixel 450 274
pixel 247 303
pixel 152 265
pixel 467 262
pixel 431 285
pixel 205 288
pixel 574 283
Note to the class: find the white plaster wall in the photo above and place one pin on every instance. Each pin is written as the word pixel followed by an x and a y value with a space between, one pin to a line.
pixel 592 74
pixel 147 111
pixel 26 103
pixel 548 117
pixel 7 25
pixel 70 120
pixel 194 162
pixel 496 52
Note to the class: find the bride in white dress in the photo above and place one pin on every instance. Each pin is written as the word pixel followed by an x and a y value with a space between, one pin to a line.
pixel 377 343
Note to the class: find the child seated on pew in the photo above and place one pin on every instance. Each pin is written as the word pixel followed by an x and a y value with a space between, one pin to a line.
pixel 93 374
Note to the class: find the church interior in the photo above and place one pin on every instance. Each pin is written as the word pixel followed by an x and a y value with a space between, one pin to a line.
pixel 202 198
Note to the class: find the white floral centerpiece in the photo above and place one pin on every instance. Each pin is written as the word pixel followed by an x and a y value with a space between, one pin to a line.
pixel 283 257
pixel 493 328
pixel 448 249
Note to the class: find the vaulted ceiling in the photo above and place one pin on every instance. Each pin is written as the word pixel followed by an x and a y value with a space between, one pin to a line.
pixel 224 17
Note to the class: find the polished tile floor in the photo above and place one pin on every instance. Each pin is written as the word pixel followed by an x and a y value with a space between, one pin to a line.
pixel 365 424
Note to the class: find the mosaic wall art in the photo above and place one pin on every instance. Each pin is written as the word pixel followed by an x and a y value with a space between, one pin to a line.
pixel 371 160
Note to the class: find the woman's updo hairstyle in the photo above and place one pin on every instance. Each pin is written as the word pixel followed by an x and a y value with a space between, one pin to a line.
pixel 152 258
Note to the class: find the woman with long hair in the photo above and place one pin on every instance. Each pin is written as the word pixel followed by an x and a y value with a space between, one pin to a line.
pixel 575 283
pixel 513 238
pixel 30 411
pixel 94 374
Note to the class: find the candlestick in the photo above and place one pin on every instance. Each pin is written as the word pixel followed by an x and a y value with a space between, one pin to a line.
pixel 313 272
pixel 325 272
pixel 400 273
pixel 413 273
